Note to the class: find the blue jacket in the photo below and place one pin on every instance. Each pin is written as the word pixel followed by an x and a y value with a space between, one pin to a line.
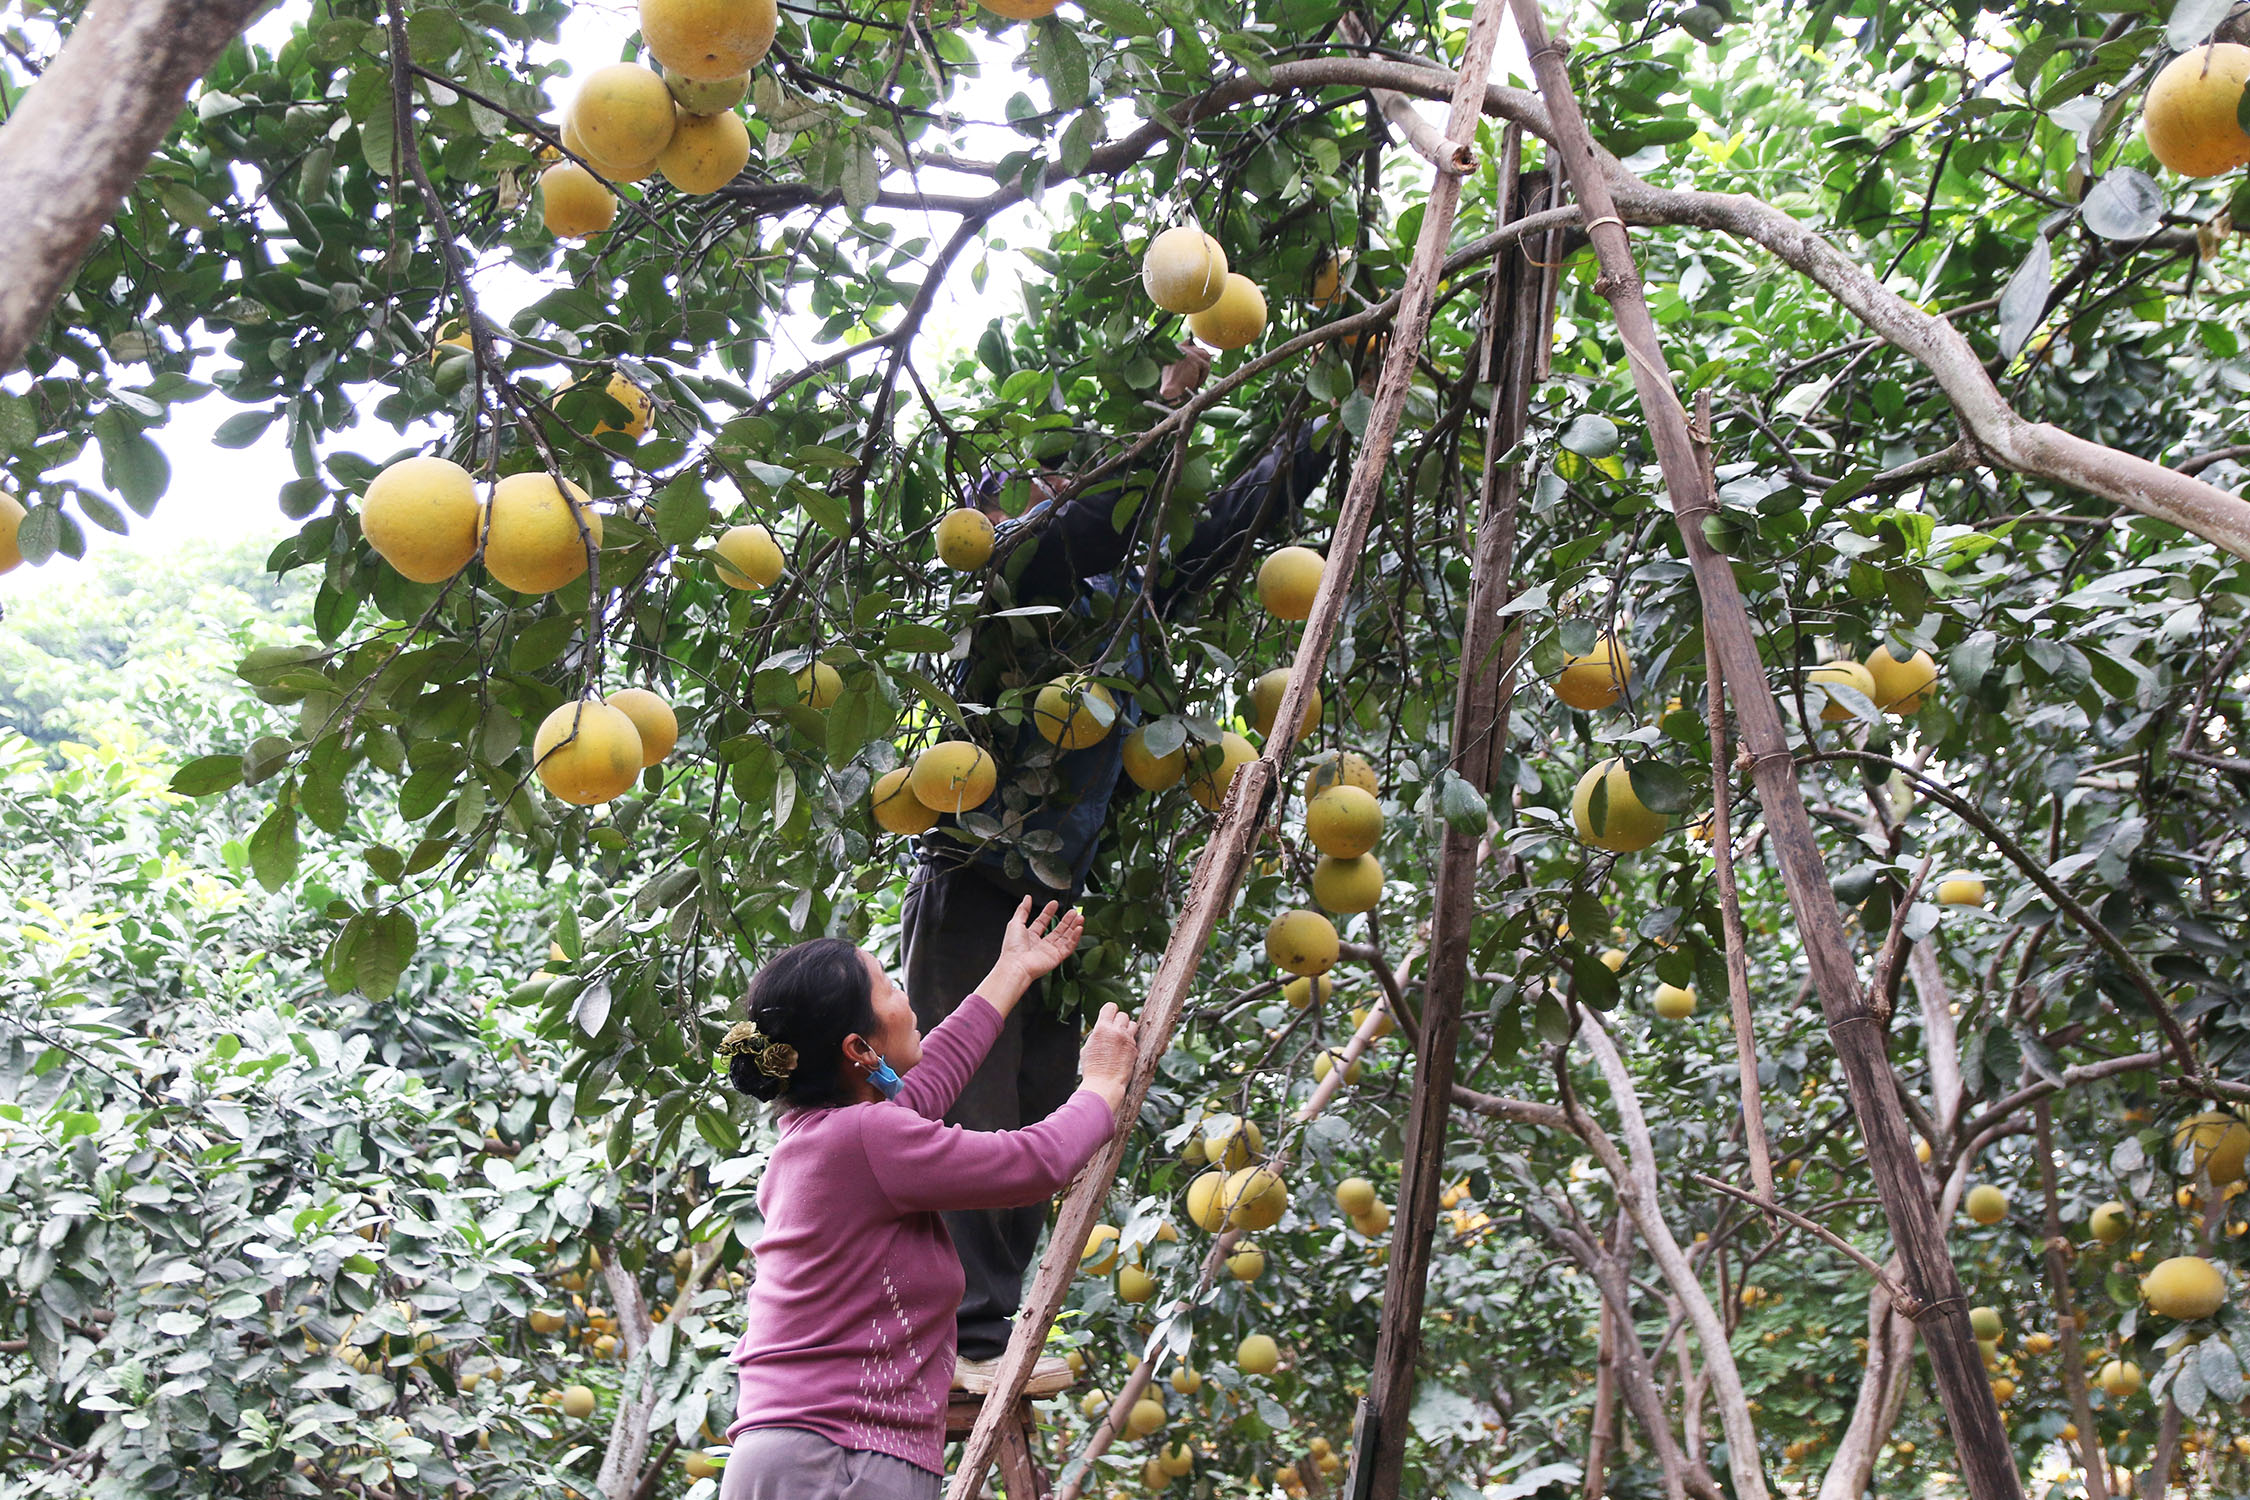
pixel 1074 560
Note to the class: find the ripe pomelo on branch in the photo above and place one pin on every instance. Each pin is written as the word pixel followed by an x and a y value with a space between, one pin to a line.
pixel 1186 1380
pixel 1257 1355
pixel 532 541
pixel 1255 1198
pixel 1841 674
pixel 1350 885
pixel 819 685
pixel 896 808
pixel 573 203
pixel 1674 1002
pixel 1287 581
pixel 1236 319
pixel 1152 773
pixel 1072 713
pixel 1021 10
pixel 1211 768
pixel 1265 703
pixel 2220 1141
pixel 1326 1062
pixel 1342 769
pixel 1355 1196
pixel 708 40
pixel 1986 1204
pixel 1961 889
pixel 712 96
pixel 1344 821
pixel 2190 117
pixel 748 557
pixel 1134 1284
pixel 587 752
pixel 623 117
pixel 1231 1142
pixel 1384 1025
pixel 706 152
pixel 1626 825
pixel 1302 942
pixel 419 514
pixel 2110 1223
pixel 1184 270
pixel 1597 679
pixel 2119 1379
pixel 653 719
pixel 1099 1257
pixel 1146 1416
pixel 1205 1208
pixel 1303 992
pixel 11 521
pixel 953 776
pixel 1985 1322
pixel 638 407
pixel 1247 1262
pixel 964 539
pixel 2186 1287
pixel 577 1402
pixel 1900 685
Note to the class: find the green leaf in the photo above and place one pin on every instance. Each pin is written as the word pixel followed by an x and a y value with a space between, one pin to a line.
pixel 1658 787
pixel 384 952
pixel 132 465
pixel 39 534
pixel 207 775
pixel 683 510
pixel 274 849
pixel 862 179
pixel 827 512
pixel 244 428
pixel 1461 805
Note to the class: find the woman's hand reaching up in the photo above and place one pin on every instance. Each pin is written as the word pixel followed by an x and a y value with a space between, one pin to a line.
pixel 1032 948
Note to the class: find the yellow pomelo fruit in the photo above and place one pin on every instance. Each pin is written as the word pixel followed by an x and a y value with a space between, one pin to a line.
pixel 2110 1223
pixel 1626 824
pixel 1351 885
pixel 705 152
pixel 1597 679
pixel 2119 1379
pixel 1099 1257
pixel 1257 1355
pixel 573 203
pixel 623 116
pixel 1325 1064
pixel 708 40
pixel 1146 1416
pixel 1674 1002
pixel 953 776
pixel 1179 1458
pixel 1303 992
pixel 1383 1027
pixel 638 408
pixel 706 96
pixel 532 541
pixel 748 556
pixel 964 539
pixel 2185 1287
pixel 1613 959
pixel 1154 1476
pixel 1327 282
pixel 896 808
pixel 1152 773
pixel 1346 769
pixel 700 1465
pixel 1184 270
pixel 420 516
pixel 819 685
pixel 1134 1284
pixel 1211 768
pixel 1843 674
pixel 1204 1210
pixel 1960 889
pixel 1355 1196
pixel 1375 1222
pixel 1247 1263
pixel 1302 942
pixel 1985 1322
pixel 1021 10
pixel 587 752
pixel 577 1402
pixel 653 720
pixel 2189 116
pixel 2221 1142
pixel 1072 714
pixel 1231 1142
pixel 1265 702
pixel 1287 581
pixel 2003 1390
pixel 1186 1381
pixel 1344 821
pixel 1900 685
pixel 2038 1343
pixel 11 521
pixel 1986 1204
pixel 1236 319
pixel 1255 1198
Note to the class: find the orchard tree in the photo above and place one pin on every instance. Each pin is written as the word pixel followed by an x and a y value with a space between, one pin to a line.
pixel 1800 831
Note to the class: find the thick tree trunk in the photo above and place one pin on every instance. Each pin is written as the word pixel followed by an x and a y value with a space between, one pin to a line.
pixel 1980 1442
pixel 81 137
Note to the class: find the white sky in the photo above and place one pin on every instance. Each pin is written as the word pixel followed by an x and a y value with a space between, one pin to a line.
pixel 228 495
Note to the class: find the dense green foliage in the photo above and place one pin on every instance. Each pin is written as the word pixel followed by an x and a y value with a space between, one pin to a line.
pixel 239 1029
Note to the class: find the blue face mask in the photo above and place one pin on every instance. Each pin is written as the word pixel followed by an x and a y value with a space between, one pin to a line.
pixel 886 1082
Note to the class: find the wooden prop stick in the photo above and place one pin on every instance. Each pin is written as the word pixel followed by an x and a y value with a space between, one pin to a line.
pixel 1218 870
pixel 1081 1468
pixel 1481 695
pixel 1981 1444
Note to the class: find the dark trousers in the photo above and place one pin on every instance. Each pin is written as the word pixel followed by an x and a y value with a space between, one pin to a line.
pixel 954 921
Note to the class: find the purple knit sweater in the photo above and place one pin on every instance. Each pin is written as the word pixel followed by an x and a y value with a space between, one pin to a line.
pixel 851 1316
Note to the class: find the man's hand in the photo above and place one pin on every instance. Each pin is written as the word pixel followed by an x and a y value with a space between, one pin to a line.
pixel 1185 375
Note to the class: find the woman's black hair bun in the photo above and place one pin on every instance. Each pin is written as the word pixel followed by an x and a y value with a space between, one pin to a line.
pixel 743 1073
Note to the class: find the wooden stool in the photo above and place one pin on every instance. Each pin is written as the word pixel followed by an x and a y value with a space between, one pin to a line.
pixel 1020 1474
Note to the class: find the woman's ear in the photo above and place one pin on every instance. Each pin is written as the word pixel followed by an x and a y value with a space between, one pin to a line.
pixel 860 1051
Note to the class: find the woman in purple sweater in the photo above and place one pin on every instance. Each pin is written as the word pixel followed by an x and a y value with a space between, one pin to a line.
pixel 849 1351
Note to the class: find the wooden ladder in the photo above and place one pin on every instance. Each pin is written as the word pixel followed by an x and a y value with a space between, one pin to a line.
pixel 1021 1476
